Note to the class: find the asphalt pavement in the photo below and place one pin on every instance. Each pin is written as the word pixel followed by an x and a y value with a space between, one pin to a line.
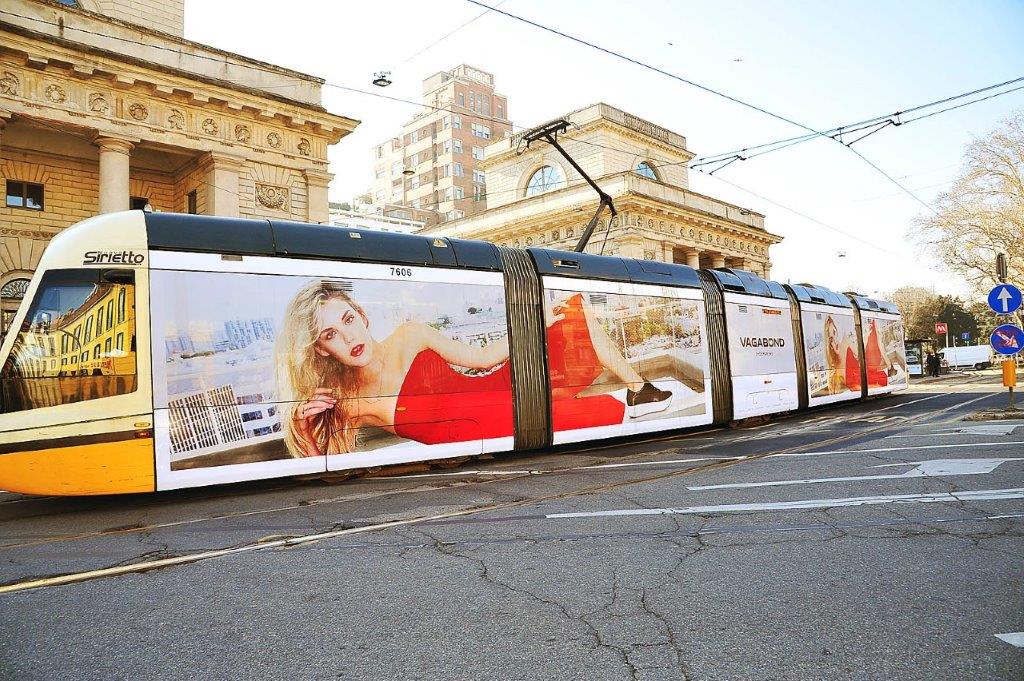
pixel 879 540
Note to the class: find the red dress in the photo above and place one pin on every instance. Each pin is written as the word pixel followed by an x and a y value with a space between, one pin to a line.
pixel 438 404
pixel 873 359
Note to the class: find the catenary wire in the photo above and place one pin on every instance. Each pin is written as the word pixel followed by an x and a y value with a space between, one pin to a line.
pixel 700 86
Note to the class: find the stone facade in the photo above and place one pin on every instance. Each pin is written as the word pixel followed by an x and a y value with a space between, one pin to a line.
pixel 105 106
pixel 643 167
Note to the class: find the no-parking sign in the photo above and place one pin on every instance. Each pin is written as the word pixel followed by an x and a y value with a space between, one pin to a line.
pixel 1007 339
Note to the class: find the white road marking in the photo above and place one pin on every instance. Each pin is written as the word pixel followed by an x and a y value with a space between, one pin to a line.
pixel 970 495
pixel 1014 638
pixel 897 449
pixel 659 462
pixel 993 429
pixel 924 469
pixel 454 474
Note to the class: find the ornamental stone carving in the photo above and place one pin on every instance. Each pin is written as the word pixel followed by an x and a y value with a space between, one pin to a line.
pixel 210 126
pixel 9 84
pixel 176 119
pixel 138 112
pixel 56 94
pixel 98 103
pixel 274 140
pixel 305 148
pixel 243 133
pixel 269 196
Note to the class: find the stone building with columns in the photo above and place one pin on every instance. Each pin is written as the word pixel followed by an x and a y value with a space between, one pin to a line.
pixel 105 106
pixel 535 198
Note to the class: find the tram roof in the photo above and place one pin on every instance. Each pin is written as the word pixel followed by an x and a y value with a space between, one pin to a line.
pixel 732 280
pixel 284 238
pixel 613 268
pixel 810 293
pixel 865 304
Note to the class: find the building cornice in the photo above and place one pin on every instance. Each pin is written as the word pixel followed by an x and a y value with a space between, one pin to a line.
pixel 83 61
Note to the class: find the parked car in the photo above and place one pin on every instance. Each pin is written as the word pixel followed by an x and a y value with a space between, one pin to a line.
pixel 967 356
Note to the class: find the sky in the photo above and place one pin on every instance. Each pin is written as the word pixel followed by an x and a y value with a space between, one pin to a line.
pixel 820 64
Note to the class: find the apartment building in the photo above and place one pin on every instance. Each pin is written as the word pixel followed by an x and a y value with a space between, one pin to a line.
pixel 434 164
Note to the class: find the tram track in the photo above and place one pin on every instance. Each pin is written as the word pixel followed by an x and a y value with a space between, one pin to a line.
pixel 290 541
pixel 481 478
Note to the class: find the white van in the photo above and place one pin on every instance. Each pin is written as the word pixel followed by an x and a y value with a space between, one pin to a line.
pixel 977 356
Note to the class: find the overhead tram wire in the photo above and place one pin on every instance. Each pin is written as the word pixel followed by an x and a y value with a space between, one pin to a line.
pixel 449 34
pixel 224 61
pixel 877 123
pixel 699 86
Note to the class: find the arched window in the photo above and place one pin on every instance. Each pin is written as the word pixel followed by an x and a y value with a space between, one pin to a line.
pixel 544 179
pixel 14 289
pixel 644 168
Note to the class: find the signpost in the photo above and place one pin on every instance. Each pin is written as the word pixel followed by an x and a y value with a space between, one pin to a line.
pixel 1004 299
pixel 966 336
pixel 1008 340
pixel 941 328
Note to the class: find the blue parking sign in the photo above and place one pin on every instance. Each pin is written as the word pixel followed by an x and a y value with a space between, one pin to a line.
pixel 966 335
pixel 1007 339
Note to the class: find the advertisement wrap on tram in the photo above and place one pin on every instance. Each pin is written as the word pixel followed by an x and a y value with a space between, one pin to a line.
pixel 832 354
pixel 762 361
pixel 301 374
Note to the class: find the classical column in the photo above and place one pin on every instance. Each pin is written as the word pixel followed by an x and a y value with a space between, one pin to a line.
pixel 317 182
pixel 693 258
pixel 114 163
pixel 222 183
pixel 767 270
pixel 717 260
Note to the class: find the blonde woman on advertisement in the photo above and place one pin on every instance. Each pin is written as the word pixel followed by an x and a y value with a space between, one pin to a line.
pixel 338 378
pixel 841 358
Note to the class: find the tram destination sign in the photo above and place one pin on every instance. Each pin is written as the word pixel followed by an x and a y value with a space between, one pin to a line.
pixel 1007 339
pixel 1004 299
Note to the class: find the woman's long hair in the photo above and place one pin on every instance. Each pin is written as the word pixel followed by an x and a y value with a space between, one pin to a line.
pixel 832 359
pixel 301 370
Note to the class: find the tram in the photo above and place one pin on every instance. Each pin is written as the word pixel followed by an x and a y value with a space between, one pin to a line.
pixel 156 351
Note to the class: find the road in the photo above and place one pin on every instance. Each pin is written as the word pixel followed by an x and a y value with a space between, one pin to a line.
pixel 880 540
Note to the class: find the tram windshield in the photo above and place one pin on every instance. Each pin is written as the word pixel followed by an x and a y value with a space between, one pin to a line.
pixel 77 341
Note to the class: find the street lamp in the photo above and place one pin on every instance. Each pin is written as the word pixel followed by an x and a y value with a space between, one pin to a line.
pixel 380 79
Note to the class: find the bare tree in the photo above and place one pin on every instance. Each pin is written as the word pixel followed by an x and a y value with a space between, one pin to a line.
pixel 983 212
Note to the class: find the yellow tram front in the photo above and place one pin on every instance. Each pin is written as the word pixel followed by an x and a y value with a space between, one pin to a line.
pixel 76 411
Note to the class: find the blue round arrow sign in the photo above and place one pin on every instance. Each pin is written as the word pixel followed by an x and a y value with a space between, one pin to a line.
pixel 1007 339
pixel 1004 299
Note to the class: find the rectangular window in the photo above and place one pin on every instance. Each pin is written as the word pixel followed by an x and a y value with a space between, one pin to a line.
pixel 99 321
pixel 379 173
pixel 457 146
pixel 396 168
pixel 88 329
pixel 138 203
pixel 63 296
pixel 380 151
pixel 481 131
pixel 107 345
pixel 193 202
pixel 447 148
pixel 460 98
pixel 478 176
pixel 24 195
pixel 456 170
pixel 501 111
pixel 444 171
pixel 457 121
pixel 460 193
pixel 414 136
pixel 479 192
pixel 414 183
pixel 119 343
pixel 485 108
pixel 478 153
